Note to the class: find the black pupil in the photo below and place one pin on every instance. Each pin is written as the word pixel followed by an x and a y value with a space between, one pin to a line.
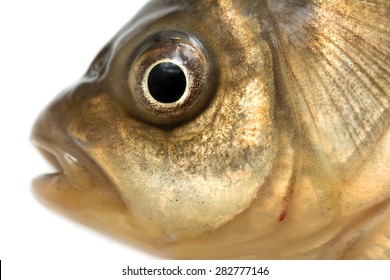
pixel 166 82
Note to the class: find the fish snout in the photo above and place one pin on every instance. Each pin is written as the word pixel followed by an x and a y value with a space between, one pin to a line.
pixel 51 136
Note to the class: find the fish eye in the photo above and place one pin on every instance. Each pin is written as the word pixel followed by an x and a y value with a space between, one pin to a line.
pixel 168 79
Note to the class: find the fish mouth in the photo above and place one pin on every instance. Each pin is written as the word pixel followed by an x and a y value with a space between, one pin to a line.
pixel 79 189
pixel 68 162
pixel 63 189
pixel 77 182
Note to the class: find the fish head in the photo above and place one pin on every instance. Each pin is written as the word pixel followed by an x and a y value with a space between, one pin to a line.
pixel 231 129
pixel 170 133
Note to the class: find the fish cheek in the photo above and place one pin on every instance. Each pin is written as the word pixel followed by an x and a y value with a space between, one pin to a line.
pixel 192 179
pixel 177 185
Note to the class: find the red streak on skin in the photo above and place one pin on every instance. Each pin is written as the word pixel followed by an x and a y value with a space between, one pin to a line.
pixel 287 198
pixel 282 215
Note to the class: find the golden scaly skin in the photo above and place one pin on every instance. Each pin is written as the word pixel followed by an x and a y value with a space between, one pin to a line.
pixel 285 156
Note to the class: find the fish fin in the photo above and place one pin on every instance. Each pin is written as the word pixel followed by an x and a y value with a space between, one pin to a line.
pixel 334 58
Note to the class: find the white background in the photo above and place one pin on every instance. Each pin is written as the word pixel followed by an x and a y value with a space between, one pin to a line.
pixel 44 47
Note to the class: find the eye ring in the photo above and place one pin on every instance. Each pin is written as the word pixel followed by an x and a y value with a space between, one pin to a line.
pixel 184 53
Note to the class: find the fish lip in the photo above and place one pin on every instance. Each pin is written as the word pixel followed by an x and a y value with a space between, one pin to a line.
pixel 46 149
pixel 64 156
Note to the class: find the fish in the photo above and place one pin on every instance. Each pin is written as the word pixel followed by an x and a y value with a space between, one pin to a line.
pixel 231 129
